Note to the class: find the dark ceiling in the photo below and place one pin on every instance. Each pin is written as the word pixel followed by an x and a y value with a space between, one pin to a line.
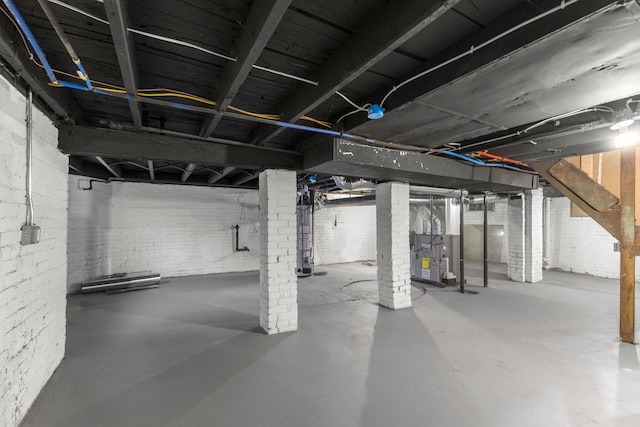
pixel 206 91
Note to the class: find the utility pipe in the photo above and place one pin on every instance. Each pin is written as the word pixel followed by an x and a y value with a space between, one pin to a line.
pixel 487 198
pixel 435 191
pixel 32 40
pixel 29 119
pixel 500 158
pixel 238 248
pixel 485 243
pixel 461 245
pixel 44 4
pixel 360 184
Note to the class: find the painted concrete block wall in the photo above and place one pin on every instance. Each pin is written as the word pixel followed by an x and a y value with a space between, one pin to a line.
pixel 32 277
pixel 580 245
pixel 496 217
pixel 278 280
pixel 344 234
pixel 168 229
pixel 392 224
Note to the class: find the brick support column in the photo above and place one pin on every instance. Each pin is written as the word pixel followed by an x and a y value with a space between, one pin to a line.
pixel 524 258
pixel 392 222
pixel 278 281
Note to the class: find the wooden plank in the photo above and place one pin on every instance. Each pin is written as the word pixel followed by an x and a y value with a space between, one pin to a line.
pixel 263 19
pixel 609 220
pixel 583 186
pixel 113 169
pixel 213 178
pixel 88 141
pixel 373 40
pixel 123 43
pixel 627 244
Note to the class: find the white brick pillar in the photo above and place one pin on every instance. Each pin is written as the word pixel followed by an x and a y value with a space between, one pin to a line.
pixel 392 223
pixel 278 281
pixel 533 203
pixel 524 258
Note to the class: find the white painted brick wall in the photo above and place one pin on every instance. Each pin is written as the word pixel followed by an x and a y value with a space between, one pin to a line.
pixel 499 216
pixel 344 234
pixel 580 244
pixel 524 258
pixel 33 277
pixel 533 236
pixel 392 218
pixel 168 229
pixel 278 280
pixel 515 253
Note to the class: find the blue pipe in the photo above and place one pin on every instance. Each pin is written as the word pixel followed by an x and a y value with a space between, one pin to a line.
pixel 84 74
pixel 312 129
pixel 462 157
pixel 513 168
pixel 32 40
pixel 480 162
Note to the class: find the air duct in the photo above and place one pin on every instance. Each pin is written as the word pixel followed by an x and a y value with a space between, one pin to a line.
pixel 359 184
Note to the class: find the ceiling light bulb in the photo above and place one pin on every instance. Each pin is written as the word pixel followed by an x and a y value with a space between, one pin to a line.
pixel 623 119
pixel 627 138
pixel 375 112
pixel 621 124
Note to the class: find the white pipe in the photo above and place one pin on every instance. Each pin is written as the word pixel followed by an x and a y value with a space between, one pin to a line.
pixel 446 192
pixel 29 120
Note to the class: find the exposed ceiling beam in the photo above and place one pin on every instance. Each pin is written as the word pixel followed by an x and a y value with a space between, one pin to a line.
pixel 215 177
pixel 510 42
pixel 264 17
pixel 113 169
pixel 119 22
pixel 13 51
pixel 187 173
pixel 374 39
pixel 152 174
pixel 76 164
pixel 559 142
pixel 343 157
pixel 88 141
pixel 80 166
pixel 245 178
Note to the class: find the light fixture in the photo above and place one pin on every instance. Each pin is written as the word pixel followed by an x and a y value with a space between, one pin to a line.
pixel 375 112
pixel 622 119
pixel 627 138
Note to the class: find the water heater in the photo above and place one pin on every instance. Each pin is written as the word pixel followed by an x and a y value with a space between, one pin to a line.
pixel 304 209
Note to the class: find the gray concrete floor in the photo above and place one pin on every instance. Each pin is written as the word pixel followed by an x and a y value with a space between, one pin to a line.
pixel 190 354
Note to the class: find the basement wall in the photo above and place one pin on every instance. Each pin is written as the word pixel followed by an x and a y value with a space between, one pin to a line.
pixel 174 230
pixel 580 244
pixel 182 230
pixel 33 277
pixel 344 234
pixel 474 237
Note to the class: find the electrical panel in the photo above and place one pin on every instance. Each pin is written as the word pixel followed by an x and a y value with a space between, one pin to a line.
pixel 30 234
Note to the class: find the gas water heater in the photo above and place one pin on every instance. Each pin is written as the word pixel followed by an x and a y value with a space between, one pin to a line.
pixel 304 209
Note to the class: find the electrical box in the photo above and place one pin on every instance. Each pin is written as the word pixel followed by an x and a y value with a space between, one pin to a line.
pixel 30 234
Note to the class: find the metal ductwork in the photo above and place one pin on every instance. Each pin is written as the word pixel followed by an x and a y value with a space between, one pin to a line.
pixel 359 184
pixel 435 191
pixel 491 198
